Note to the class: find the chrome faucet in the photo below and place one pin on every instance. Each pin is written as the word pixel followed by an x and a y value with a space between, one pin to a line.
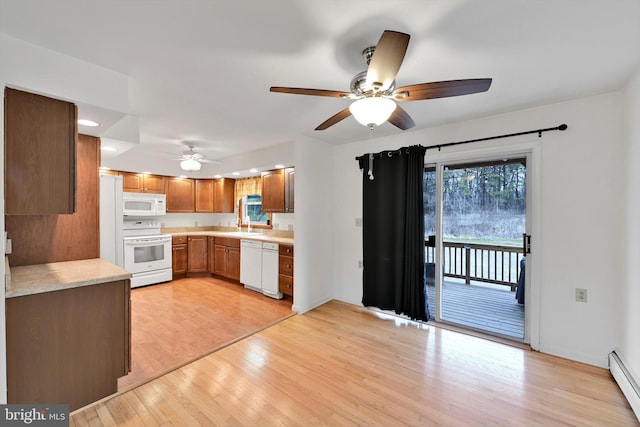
pixel 248 224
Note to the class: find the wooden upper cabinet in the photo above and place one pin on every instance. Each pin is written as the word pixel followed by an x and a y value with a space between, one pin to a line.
pixel 108 172
pixel 180 194
pixel 154 184
pixel 224 195
pixel 133 182
pixel 204 195
pixel 289 186
pixel 273 191
pixel 40 154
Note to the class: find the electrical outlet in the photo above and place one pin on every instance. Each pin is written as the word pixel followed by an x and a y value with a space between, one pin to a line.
pixel 581 295
pixel 358 222
pixel 360 264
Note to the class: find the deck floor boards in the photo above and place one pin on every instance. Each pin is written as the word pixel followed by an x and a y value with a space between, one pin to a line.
pixel 481 307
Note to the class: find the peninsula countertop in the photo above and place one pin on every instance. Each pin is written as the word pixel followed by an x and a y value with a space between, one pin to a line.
pixel 40 278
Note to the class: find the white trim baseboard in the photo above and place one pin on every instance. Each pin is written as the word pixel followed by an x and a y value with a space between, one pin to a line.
pixel 626 382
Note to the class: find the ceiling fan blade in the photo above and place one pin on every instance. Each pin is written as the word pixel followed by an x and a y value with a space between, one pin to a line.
pixel 334 119
pixel 401 119
pixel 314 92
pixel 214 162
pixel 441 89
pixel 387 59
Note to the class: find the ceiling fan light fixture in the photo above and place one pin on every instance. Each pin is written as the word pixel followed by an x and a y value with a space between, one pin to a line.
pixel 372 111
pixel 190 165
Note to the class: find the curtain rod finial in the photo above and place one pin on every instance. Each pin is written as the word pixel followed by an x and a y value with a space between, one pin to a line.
pixel 563 127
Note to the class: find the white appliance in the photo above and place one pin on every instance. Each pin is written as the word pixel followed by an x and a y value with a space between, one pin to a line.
pixel 259 267
pixel 270 266
pixel 111 248
pixel 147 253
pixel 251 264
pixel 144 204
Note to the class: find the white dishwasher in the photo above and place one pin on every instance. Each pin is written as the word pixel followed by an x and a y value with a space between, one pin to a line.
pixel 251 264
pixel 270 266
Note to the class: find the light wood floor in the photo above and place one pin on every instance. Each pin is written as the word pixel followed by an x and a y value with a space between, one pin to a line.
pixel 342 365
pixel 177 322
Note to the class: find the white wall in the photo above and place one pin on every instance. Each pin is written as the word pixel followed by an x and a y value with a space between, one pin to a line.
pixel 66 77
pixel 283 221
pixel 581 216
pixel 630 281
pixel 172 220
pixel 313 260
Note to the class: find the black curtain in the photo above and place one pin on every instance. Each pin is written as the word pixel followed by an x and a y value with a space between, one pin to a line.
pixel 393 231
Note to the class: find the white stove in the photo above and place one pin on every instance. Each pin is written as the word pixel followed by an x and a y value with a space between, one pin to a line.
pixel 147 252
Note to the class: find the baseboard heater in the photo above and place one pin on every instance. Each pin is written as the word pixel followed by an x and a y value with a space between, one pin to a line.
pixel 625 381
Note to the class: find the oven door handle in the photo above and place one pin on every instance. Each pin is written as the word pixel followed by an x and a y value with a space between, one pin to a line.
pixel 146 242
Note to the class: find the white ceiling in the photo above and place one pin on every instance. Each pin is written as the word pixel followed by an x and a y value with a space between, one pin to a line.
pixel 200 70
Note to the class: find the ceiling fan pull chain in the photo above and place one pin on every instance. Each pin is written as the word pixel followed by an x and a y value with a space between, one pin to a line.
pixel 370 173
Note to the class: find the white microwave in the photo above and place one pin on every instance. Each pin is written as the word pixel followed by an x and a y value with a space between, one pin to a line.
pixel 144 204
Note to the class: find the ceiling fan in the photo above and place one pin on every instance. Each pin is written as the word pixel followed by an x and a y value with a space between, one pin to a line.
pixel 191 160
pixel 374 89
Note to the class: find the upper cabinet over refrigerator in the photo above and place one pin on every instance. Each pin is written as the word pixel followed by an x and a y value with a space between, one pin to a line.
pixel 144 204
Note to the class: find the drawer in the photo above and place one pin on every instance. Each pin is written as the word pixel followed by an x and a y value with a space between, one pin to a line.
pixel 286 250
pixel 179 240
pixel 285 284
pixel 228 241
pixel 285 265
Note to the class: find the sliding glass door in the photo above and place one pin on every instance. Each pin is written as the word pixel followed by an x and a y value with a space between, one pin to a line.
pixel 475 270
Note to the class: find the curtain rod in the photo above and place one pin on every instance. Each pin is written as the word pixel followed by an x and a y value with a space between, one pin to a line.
pixel 561 127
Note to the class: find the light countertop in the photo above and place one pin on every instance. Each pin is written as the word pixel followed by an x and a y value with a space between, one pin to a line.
pixel 254 235
pixel 35 279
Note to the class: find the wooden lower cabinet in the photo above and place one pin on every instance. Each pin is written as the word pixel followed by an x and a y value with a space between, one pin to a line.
pixel 285 270
pixel 197 254
pixel 68 346
pixel 179 256
pixel 227 258
pixel 211 254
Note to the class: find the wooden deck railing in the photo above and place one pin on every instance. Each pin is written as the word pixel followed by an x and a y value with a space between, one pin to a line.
pixel 495 264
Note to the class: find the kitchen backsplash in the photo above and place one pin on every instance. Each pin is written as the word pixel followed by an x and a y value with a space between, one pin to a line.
pixel 281 222
pixel 177 220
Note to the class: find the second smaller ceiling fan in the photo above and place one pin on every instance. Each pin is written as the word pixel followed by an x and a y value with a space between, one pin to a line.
pixel 374 90
pixel 191 160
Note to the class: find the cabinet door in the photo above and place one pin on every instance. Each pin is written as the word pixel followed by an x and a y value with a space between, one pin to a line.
pixel 68 346
pixel 154 184
pixel 220 264
pixel 132 182
pixel 224 195
pixel 273 191
pixel 40 154
pixel 211 254
pixel 179 259
pixel 180 195
pixel 233 263
pixel 289 178
pixel 204 195
pixel 197 254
